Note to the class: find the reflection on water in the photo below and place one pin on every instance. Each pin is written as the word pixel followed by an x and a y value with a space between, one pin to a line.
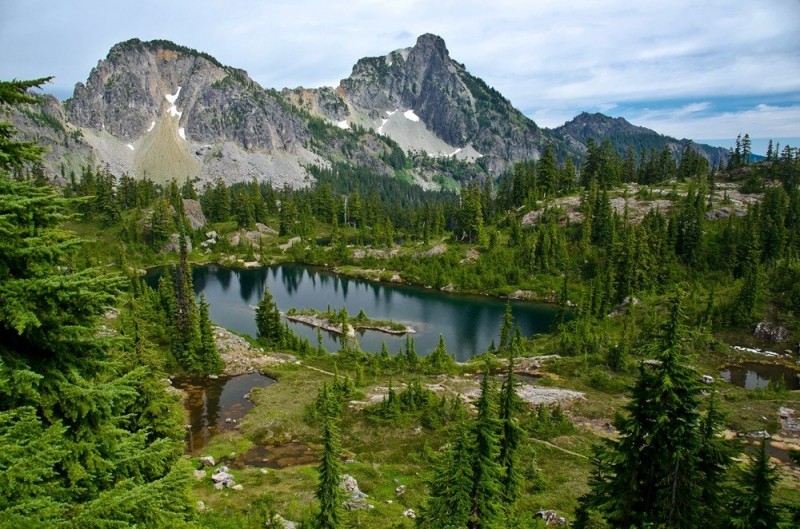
pixel 210 401
pixel 467 323
pixel 752 375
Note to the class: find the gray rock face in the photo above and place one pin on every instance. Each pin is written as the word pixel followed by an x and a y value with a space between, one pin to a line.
pixel 458 107
pixel 127 91
pixel 773 333
pixel 194 212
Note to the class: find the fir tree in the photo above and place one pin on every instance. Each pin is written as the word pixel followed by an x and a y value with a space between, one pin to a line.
pixel 208 357
pixel 506 329
pixel 752 506
pixel 76 446
pixel 486 506
pixel 330 468
pixel 449 504
pixel 511 406
pixel 268 320
pixel 653 474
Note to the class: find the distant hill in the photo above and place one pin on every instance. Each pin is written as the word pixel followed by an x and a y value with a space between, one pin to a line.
pixel 622 134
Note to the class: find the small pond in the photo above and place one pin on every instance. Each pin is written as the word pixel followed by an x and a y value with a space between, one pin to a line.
pixel 752 375
pixel 276 456
pixel 216 404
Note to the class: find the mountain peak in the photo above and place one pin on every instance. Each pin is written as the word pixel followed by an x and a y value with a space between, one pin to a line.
pixel 429 41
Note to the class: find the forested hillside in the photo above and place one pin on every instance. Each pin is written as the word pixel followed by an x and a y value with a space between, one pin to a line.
pixel 665 270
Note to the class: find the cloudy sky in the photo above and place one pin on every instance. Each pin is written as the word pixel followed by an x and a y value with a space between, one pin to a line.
pixel 701 70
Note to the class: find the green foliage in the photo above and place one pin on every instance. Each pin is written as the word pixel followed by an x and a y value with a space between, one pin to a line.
pixel 328 492
pixel 79 444
pixel 752 505
pixel 653 474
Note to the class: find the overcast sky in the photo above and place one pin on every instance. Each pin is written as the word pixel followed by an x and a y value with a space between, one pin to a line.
pixel 702 70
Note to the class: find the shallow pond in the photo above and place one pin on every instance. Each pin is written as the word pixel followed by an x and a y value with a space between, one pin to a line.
pixel 216 404
pixel 752 375
pixel 276 456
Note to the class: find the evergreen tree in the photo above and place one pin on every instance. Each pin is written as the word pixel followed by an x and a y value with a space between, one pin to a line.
pixel 450 500
pixel 486 508
pixel 186 340
pixel 511 406
pixel 328 492
pixel 439 361
pixel 76 446
pixel 208 357
pixel 653 473
pixel 752 506
pixel 506 330
pixel 268 320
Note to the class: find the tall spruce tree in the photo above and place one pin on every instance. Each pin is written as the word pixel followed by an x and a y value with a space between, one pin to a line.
pixel 653 473
pixel 450 500
pixel 208 357
pixel 511 432
pixel 268 320
pixel 752 506
pixel 486 508
pixel 328 492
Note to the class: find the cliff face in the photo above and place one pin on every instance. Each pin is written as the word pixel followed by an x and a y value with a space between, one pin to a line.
pixel 454 106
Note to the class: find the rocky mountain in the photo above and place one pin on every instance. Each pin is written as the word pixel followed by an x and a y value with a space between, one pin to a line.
pixel 160 110
pixel 164 111
pixel 622 134
pixel 426 101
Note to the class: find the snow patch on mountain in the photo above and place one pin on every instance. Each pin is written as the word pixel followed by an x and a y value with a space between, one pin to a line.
pixel 409 114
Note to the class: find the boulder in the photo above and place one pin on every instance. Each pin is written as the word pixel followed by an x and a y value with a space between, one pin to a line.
pixel 208 461
pixel 409 513
pixel 194 212
pixel 199 474
pixel 174 244
pixel 279 522
pixel 707 379
pixel 773 333
pixel 356 500
pixel 550 517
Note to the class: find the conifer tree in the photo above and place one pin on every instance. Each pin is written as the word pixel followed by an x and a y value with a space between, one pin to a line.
pixel 511 406
pixel 486 507
pixel 328 492
pixel 268 320
pixel 653 473
pixel 506 330
pixel 439 361
pixel 76 447
pixel 449 504
pixel 752 506
pixel 208 357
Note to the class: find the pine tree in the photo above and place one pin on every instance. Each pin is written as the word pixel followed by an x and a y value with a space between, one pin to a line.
pixel 653 473
pixel 76 446
pixel 752 506
pixel 439 361
pixel 511 406
pixel 186 340
pixel 268 320
pixel 330 468
pixel 208 357
pixel 506 330
pixel 449 503
pixel 486 507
